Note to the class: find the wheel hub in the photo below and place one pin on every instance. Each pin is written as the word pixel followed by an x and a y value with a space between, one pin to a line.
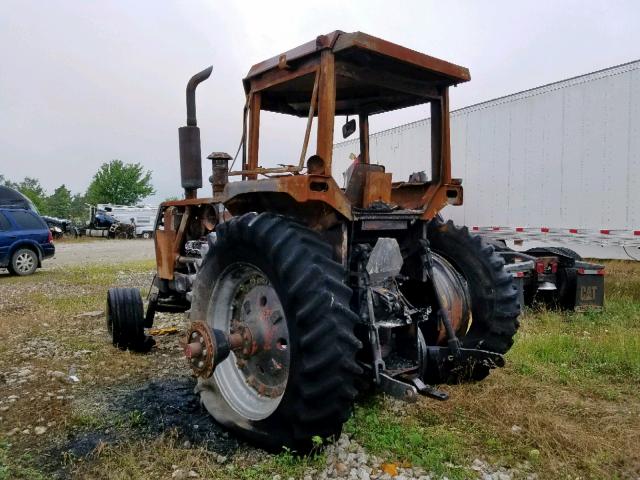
pixel 264 360
pixel 247 318
pixel 24 262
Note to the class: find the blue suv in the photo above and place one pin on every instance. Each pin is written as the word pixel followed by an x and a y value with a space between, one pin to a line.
pixel 25 240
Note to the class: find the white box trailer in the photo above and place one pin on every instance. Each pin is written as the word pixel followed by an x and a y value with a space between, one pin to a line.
pixel 143 215
pixel 557 163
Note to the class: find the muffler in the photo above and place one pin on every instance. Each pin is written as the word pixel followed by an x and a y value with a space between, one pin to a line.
pixel 189 139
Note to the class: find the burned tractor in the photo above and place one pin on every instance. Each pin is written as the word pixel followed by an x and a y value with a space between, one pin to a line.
pixel 299 293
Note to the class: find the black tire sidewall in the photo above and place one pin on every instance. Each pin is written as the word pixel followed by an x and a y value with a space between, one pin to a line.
pixel 295 419
pixel 15 256
pixel 494 303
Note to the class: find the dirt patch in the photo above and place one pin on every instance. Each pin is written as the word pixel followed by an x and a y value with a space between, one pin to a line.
pixel 100 251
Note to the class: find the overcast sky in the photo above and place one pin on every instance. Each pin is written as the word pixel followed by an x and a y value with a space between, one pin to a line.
pixel 84 82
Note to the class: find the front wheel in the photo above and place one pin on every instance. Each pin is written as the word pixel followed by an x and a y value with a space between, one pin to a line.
pixel 277 279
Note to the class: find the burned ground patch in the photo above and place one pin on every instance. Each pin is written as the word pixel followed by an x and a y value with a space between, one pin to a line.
pixel 167 407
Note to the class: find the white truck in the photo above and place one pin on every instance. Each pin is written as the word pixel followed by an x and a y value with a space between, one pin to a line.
pixel 142 215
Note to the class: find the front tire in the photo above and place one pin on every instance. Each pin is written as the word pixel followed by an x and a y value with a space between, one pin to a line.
pixel 262 262
pixel 125 320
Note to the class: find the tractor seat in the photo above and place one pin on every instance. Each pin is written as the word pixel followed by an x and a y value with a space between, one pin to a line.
pixel 366 184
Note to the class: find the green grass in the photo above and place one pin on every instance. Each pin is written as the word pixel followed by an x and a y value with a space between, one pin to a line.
pixel 581 348
pixel 570 383
pixel 424 441
pixel 16 467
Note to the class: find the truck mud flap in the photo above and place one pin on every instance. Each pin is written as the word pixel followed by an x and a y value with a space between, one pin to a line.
pixel 581 288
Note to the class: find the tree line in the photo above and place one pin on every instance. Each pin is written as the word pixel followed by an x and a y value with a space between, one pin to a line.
pixel 115 182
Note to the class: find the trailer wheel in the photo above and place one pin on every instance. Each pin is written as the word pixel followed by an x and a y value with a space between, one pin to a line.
pixel 268 267
pixel 555 251
pixel 494 297
pixel 125 320
pixel 569 253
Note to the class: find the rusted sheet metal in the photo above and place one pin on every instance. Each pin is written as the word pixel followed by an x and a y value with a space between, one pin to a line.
pixel 377 188
pixel 189 201
pixel 169 241
pixel 295 53
pixel 340 41
pixel 302 188
pixel 326 109
pixel 429 198
pixel 455 73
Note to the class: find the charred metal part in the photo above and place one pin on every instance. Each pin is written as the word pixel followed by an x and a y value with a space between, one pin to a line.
pixel 264 356
pixel 191 94
pixel 206 348
pixel 443 315
pixel 220 171
pixel 428 390
pixel 189 139
pixel 442 359
pixel 397 388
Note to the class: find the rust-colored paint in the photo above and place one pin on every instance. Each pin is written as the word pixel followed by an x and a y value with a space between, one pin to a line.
pixel 164 241
pixel 326 109
pixel 340 41
pixel 254 134
pixel 377 188
pixel 302 188
pixel 169 241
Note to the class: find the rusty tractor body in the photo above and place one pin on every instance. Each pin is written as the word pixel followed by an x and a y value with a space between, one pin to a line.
pixel 301 294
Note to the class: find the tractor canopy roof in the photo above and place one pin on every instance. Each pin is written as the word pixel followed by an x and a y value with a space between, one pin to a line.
pixel 372 75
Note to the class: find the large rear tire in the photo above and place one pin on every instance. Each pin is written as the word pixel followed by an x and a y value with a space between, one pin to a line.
pixel 295 277
pixel 494 297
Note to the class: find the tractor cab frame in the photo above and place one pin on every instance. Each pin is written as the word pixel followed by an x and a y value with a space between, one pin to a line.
pixel 350 74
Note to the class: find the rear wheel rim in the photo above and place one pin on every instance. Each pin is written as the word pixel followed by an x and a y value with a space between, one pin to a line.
pixel 251 382
pixel 25 262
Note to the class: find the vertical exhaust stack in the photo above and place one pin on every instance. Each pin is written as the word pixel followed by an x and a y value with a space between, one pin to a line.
pixel 189 138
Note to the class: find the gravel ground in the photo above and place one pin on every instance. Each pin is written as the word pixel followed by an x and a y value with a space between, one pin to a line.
pixel 171 386
pixel 100 251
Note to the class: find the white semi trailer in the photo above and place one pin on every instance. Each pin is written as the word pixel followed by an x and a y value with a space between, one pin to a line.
pixel 557 163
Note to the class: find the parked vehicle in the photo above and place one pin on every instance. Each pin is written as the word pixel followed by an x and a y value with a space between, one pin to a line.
pixel 10 198
pixel 104 224
pixel 555 276
pixel 142 216
pixel 25 241
pixel 300 292
pixel 61 227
